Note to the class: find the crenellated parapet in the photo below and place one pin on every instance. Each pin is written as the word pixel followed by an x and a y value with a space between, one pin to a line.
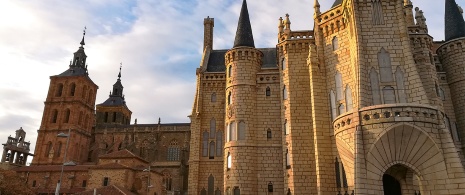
pixel 331 21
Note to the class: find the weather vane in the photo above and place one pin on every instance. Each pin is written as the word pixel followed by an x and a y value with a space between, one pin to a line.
pixel 84 31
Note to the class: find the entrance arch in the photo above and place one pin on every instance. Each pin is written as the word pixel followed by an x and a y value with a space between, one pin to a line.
pixel 391 186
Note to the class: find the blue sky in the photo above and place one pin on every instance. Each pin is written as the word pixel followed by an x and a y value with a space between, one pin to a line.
pixel 158 42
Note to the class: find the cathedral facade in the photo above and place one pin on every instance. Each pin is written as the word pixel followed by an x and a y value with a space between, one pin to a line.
pixel 365 103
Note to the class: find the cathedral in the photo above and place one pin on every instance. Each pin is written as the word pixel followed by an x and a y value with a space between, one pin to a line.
pixel 365 103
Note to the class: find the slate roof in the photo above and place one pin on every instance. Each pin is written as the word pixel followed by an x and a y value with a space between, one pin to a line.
pixel 336 3
pixel 113 100
pixel 216 59
pixel 244 36
pixel 454 23
pixel 74 71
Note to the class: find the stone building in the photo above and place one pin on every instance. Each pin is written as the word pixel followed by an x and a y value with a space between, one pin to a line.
pixel 97 145
pixel 365 103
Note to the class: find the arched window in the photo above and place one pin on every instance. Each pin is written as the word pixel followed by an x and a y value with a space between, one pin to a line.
pixel 106 117
pixel 338 79
pixel 374 81
pixel 212 128
pixel 48 149
pixel 229 71
pixel 229 161
pixel 283 62
pixel 212 150
pixel 203 191
pixel 229 98
pixel 59 149
pixel 59 90
pixel 54 116
pixel 268 134
pixel 217 192
pixel 349 102
pixel 284 92
pixel 288 159
pixel 67 113
pixel 242 130
pixel 237 191
pixel 114 117
pixel 72 89
pixel 441 94
pixel 455 133
pixel 205 144
pixel 286 128
pixel 213 97
pixel 228 133
pixel 341 109
pixel 400 85
pixel 389 95
pixel 377 12
pixel 173 151
pixel 219 143
pixel 335 44
pixel 233 132
pixel 268 91
pixel 167 180
pixel 385 67
pixel 211 185
pixel 332 98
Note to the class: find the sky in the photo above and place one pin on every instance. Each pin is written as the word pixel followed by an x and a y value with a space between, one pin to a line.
pixel 159 44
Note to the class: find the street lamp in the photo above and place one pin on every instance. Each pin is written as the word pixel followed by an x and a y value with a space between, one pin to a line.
pixel 148 179
pixel 57 192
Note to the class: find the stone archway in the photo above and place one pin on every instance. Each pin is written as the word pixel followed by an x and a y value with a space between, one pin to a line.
pixel 391 186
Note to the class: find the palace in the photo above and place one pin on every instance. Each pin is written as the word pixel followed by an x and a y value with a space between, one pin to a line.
pixel 365 103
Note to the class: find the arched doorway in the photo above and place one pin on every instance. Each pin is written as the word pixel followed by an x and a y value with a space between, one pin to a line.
pixel 391 186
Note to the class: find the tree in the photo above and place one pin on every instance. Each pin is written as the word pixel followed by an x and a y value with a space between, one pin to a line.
pixel 12 184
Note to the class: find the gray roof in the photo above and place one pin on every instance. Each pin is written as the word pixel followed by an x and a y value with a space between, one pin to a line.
pixel 336 3
pixel 244 36
pixel 216 60
pixel 74 71
pixel 454 23
pixel 114 100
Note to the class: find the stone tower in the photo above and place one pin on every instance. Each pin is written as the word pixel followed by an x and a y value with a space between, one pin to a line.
pixel 114 110
pixel 69 106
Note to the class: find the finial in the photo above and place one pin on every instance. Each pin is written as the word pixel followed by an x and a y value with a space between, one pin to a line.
pixel 135 121
pixel 287 22
pixel 119 74
pixel 280 25
pixel 316 6
pixel 83 35
pixel 110 92
pixel 159 120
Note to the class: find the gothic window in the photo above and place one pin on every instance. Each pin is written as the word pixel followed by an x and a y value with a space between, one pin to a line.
pixel 54 116
pixel 268 134
pixel 212 128
pixel 332 97
pixel 213 97
pixel 283 62
pixel 270 187
pixel 59 90
pixel 335 44
pixel 447 122
pixel 106 116
pixel 242 130
pixel 349 102
pixel 400 85
pixel 167 181
pixel 144 146
pixel 229 98
pixel 437 89
pixel 229 161
pixel 72 89
pixel 212 150
pixel 59 149
pixel 203 192
pixel 374 81
pixel 288 159
pixel 205 144
pixel 289 191
pixel 173 151
pixel 105 181
pixel 89 156
pixel 67 113
pixel 389 95
pixel 339 89
pixel 219 143
pixel 268 91
pixel 217 192
pixel 377 12
pixel 48 149
pixel 441 94
pixel 341 109
pixel 229 71
pixel 228 191
pixel 34 183
pixel 233 133
pixel 455 133
pixel 211 185
pixel 284 92
pixel 385 67
pixel 228 133
pixel 114 117
pixel 237 191
pixel 286 130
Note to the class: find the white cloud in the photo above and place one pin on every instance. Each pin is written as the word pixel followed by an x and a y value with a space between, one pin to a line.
pixel 159 43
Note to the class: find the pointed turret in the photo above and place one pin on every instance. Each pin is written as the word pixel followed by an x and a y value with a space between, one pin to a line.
pixel 244 36
pixel 78 65
pixel 454 23
pixel 316 6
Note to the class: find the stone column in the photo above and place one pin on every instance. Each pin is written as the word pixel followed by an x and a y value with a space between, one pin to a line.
pixel 17 158
pixel 5 151
pixel 25 159
pixel 12 157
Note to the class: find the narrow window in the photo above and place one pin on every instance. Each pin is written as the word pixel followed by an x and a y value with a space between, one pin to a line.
pixel 375 93
pixel 211 185
pixel 59 90
pixel 106 117
pixel 173 150
pixel 268 91
pixel 205 144
pixel 242 130
pixel 229 98
pixel 105 181
pixel 385 67
pixel 349 102
pixel 288 159
pixel 332 98
pixel 83 94
pixel 341 109
pixel 286 130
pixel 80 118
pixel 237 191
pixel 114 116
pixel 284 92
pixel 49 147
pixel 229 159
pixel 228 133
pixel 203 192
pixel 233 131
pixel 283 62
pixel 34 183
pixel 54 116
pixel 389 95
pixel 219 143
pixel 437 89
pixel 455 133
pixel 441 94
pixel 270 187
pixel 59 149
pixel 217 192
pixel 213 97
pixel 377 12
pixel 212 150
pixel 268 134
pixel 72 89
pixel 212 128
pixel 67 113
pixel 447 122
pixel 338 174
pixel 89 156
pixel 400 85
pixel 84 183
pixel 338 79
pixel 289 191
pixel 229 71
pixel 335 44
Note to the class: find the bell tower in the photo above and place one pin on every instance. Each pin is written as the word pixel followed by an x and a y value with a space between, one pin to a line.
pixel 69 106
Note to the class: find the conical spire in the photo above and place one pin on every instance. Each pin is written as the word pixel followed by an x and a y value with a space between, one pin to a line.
pixel 244 36
pixel 83 35
pixel 119 74
pixel 454 23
